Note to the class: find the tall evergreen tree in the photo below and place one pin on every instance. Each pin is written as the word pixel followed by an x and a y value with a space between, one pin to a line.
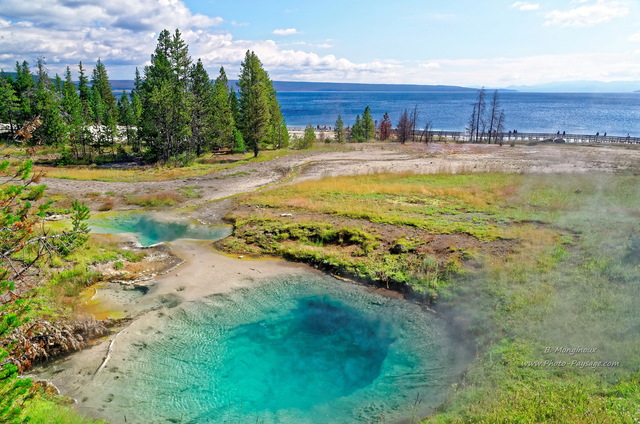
pixel 9 103
pixel 238 143
pixel 357 131
pixel 166 119
pixel 223 121
pixel 24 86
pixel 84 93
pixel 72 107
pixel 136 108
pixel 48 106
pixel 260 121
pixel 368 127
pixel 126 118
pixel 339 132
pixel 108 111
pixel 254 103
pixel 201 91
pixel 83 84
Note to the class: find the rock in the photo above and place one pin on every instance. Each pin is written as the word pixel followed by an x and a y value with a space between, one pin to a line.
pixel 398 249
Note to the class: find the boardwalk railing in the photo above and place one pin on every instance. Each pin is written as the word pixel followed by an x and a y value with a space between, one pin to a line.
pixel 518 136
pixel 513 136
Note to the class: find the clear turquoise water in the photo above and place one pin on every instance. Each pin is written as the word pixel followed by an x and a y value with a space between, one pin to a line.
pixel 309 350
pixel 151 230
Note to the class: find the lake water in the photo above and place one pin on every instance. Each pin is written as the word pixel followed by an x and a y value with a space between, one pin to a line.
pixel 613 113
pixel 292 350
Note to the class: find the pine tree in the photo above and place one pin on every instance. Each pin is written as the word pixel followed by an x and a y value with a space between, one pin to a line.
pixel 223 121
pixel 9 103
pixel 308 138
pixel 261 121
pixel 108 108
pixel 357 131
pixel 254 103
pixel 98 139
pixel 339 132
pixel 239 145
pixel 72 107
pixel 201 91
pixel 126 118
pixel 368 128
pixel 24 86
pixel 47 105
pixel 84 93
pixel 83 84
pixel 136 108
pixel 166 119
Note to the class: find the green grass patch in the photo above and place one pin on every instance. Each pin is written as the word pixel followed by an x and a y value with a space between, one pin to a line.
pixel 45 411
pixel 190 192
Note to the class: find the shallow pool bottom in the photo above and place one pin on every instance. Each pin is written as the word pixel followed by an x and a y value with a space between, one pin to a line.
pixel 310 350
pixel 151 229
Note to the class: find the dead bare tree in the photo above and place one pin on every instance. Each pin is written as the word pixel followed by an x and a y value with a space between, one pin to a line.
pixel 427 134
pixel 480 107
pixel 500 126
pixel 414 120
pixel 471 125
pixel 404 127
pixel 494 115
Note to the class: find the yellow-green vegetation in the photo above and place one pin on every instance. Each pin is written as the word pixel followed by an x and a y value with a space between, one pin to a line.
pixel 445 205
pixel 528 267
pixel 407 229
pixel 46 410
pixel 204 165
pixel 67 277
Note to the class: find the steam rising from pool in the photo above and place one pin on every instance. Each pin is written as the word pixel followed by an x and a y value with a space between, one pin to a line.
pixel 303 350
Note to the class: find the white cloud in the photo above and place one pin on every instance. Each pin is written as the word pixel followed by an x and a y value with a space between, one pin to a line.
pixel 288 31
pixel 430 65
pixel 126 14
pixel 588 14
pixel 525 6
pixel 124 35
pixel 635 37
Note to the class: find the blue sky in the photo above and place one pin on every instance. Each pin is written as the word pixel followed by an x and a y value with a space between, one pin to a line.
pixel 490 43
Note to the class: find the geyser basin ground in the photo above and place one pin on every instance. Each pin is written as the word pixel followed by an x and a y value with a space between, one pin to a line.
pixel 301 349
pixel 151 229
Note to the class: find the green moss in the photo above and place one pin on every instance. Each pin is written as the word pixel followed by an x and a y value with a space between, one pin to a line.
pixel 43 411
